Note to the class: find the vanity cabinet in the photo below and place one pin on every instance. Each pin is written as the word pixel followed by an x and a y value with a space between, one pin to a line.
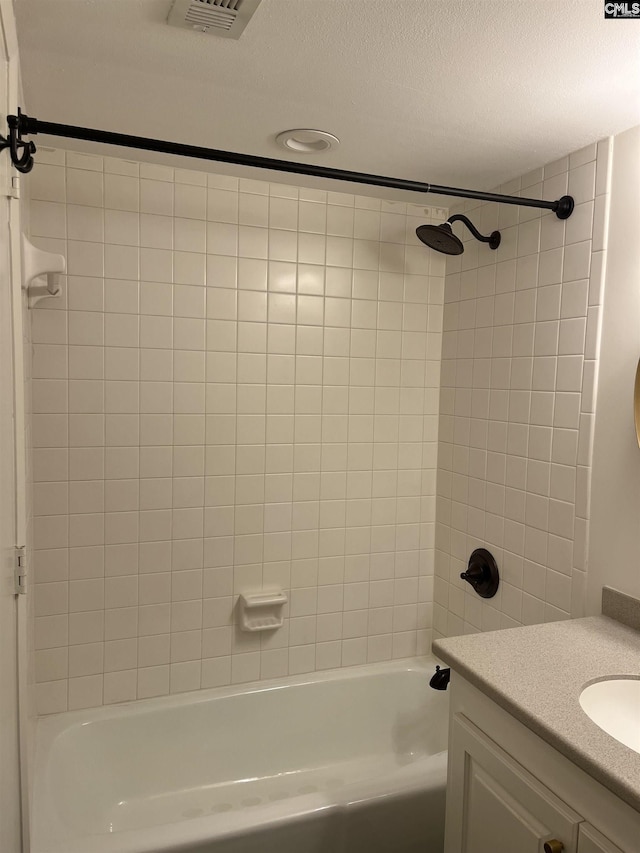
pixel 492 798
pixel 510 791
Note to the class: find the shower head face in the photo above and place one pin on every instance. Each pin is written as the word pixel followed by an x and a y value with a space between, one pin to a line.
pixel 441 238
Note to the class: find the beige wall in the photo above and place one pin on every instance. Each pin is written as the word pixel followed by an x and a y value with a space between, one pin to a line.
pixel 10 784
pixel 239 390
pixel 519 365
pixel 615 500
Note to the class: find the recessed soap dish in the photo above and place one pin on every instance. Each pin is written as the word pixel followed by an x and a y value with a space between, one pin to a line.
pixel 41 272
pixel 261 611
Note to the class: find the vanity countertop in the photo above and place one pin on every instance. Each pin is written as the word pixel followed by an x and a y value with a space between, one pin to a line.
pixel 537 673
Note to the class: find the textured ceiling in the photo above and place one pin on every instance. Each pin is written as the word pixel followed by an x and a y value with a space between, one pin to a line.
pixel 460 92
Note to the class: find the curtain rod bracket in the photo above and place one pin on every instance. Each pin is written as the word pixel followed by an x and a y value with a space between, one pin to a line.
pixel 21 152
pixel 565 207
pixel 22 158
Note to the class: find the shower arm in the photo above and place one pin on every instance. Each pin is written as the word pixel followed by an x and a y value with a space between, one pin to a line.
pixel 458 217
pixel 22 151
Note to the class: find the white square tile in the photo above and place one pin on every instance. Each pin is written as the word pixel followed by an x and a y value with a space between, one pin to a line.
pixel 153 681
pixel 119 686
pixel 85 258
pixel 121 295
pixel 84 187
pixel 84 223
pixel 582 182
pixel 577 261
pixel 48 183
pixel 222 205
pixel 84 294
pixel 222 239
pixel 156 197
pixel 156 232
pixel 85 692
pixel 188 301
pixel 121 227
pixel 189 268
pixel 190 201
pixel 121 192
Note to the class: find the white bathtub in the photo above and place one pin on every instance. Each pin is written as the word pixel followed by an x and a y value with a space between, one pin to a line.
pixel 342 762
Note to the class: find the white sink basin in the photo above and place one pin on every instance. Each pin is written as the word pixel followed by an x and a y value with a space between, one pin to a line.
pixel 614 705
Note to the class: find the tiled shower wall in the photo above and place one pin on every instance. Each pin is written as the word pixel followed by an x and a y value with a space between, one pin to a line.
pixel 238 391
pixel 519 367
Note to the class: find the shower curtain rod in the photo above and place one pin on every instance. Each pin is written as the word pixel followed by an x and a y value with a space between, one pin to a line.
pixel 22 158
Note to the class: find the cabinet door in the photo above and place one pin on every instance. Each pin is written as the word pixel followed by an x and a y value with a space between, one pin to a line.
pixel 592 841
pixel 494 805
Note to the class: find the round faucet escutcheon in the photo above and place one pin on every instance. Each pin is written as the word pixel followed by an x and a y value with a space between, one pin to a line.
pixel 482 573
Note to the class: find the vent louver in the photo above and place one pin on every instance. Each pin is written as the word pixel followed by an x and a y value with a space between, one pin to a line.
pixel 226 18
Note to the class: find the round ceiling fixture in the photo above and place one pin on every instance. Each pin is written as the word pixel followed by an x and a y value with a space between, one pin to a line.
pixel 307 141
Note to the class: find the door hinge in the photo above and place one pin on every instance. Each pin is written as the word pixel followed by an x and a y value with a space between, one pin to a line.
pixel 21 570
pixel 13 190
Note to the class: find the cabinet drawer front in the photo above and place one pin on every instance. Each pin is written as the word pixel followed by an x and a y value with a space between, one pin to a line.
pixel 592 841
pixel 494 805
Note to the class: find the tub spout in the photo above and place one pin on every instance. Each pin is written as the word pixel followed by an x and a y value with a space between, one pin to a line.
pixel 440 679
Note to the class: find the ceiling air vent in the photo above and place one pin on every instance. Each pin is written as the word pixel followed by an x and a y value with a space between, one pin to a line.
pixel 226 18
